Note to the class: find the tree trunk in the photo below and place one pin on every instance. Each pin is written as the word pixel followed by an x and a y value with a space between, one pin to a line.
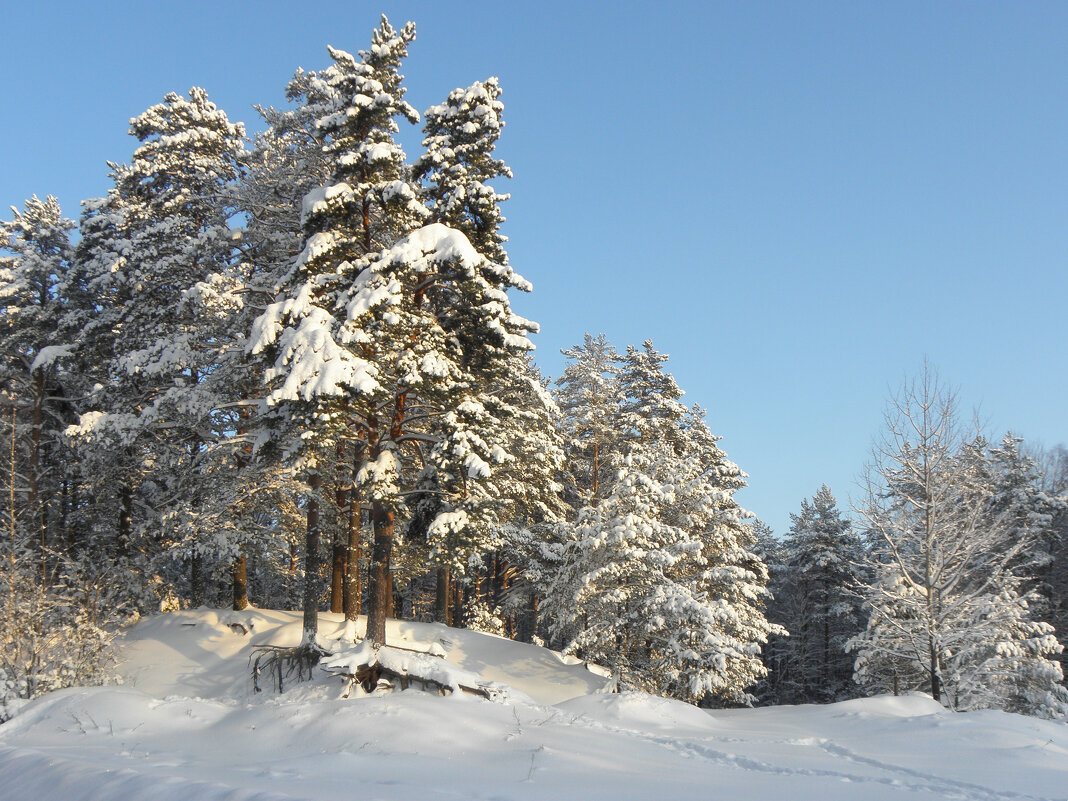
pixel 337 575
pixel 396 606
pixel 66 507
pixel 196 579
pixel 352 591
pixel 936 689
pixel 458 596
pixel 596 475
pixel 125 528
pixel 380 597
pixel 37 509
pixel 239 573
pixel 311 562
pixel 441 597
pixel 339 549
pixel 383 518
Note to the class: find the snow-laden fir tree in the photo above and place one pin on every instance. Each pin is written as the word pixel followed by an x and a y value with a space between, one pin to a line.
pixel 823 559
pixel 948 610
pixel 650 407
pixel 458 163
pixel 52 634
pixel 1053 481
pixel 531 503
pixel 1028 510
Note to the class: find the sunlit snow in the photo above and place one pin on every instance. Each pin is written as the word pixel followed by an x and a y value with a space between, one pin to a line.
pixel 187 725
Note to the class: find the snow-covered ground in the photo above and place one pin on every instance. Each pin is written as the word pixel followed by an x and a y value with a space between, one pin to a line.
pixel 187 726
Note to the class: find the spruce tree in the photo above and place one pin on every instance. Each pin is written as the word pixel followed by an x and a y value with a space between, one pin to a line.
pixel 823 557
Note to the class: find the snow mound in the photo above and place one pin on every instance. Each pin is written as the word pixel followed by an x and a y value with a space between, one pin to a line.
pixel 639 711
pixel 187 725
pixel 910 705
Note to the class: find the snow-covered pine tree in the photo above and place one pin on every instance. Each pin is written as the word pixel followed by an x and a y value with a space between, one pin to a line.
pixel 382 322
pixel 1020 502
pixel 948 609
pixel 95 296
pixel 501 405
pixel 50 637
pixel 461 135
pixel 175 230
pixel 660 579
pixel 425 403
pixel 823 557
pixel 531 504
pixel 650 409
pixel 317 375
pixel 36 409
pixel 733 577
pixel 589 400
pixel 656 583
pixel 1053 481
pixel 614 561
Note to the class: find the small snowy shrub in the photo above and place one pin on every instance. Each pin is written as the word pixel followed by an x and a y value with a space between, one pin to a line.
pixel 51 637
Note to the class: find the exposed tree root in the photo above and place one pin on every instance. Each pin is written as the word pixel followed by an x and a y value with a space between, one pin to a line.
pixel 283 664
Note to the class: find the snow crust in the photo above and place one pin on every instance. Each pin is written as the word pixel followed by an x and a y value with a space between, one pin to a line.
pixel 186 724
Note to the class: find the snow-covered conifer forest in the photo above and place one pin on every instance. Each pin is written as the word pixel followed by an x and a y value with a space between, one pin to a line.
pixel 284 373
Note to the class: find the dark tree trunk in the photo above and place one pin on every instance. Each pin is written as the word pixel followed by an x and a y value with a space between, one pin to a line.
pixel 239 567
pixel 527 624
pixel 396 606
pixel 458 596
pixel 351 600
pixel 340 549
pixel 380 597
pixel 383 519
pixel 337 575
pixel 596 475
pixel 125 528
pixel 936 689
pixel 441 597
pixel 66 507
pixel 37 507
pixel 239 574
pixel 196 579
pixel 311 562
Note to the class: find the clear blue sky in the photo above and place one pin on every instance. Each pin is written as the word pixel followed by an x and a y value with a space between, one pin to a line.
pixel 797 201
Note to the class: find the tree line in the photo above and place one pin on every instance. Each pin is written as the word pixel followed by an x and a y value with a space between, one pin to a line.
pixel 950 581
pixel 287 371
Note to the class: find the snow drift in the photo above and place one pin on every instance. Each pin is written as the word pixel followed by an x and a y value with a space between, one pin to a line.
pixel 187 725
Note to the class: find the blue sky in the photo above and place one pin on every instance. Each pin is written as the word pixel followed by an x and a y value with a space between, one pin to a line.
pixel 799 202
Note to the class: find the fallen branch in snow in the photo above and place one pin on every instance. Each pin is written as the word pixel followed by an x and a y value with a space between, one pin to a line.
pixel 387 667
